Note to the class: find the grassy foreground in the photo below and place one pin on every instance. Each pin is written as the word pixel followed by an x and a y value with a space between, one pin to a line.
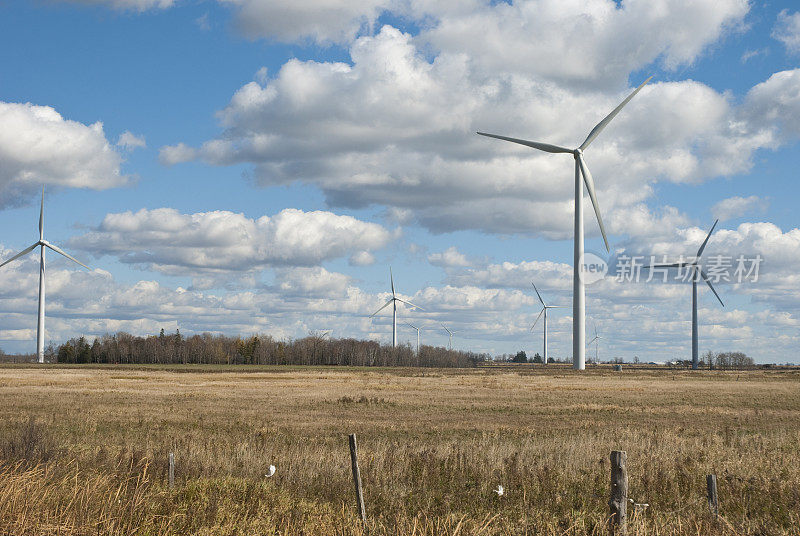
pixel 84 450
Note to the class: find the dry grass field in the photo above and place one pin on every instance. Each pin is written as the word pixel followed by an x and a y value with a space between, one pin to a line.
pixel 83 450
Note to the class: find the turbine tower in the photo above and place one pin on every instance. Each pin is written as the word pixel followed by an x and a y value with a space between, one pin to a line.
pixel 418 330
pixel 596 342
pixel 545 307
pixel 697 273
pixel 393 301
pixel 578 291
pixel 43 244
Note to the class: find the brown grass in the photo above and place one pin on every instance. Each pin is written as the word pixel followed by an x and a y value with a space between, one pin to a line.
pixel 84 450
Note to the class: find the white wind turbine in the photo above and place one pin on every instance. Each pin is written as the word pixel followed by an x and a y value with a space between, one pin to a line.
pixel 545 307
pixel 418 330
pixel 578 291
pixel 596 342
pixel 393 301
pixel 43 244
pixel 696 273
pixel 449 337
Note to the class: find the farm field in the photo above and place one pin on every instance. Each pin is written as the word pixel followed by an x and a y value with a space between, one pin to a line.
pixel 83 450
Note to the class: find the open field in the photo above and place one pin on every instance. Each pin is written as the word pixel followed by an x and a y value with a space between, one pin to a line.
pixel 432 445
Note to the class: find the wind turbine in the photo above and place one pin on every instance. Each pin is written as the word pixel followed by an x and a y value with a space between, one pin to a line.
pixel 545 307
pixel 697 273
pixel 596 342
pixel 418 330
pixel 43 244
pixel 393 301
pixel 578 291
pixel 450 337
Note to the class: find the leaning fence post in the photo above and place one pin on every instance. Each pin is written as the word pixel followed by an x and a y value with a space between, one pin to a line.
pixel 357 478
pixel 618 503
pixel 171 470
pixel 713 498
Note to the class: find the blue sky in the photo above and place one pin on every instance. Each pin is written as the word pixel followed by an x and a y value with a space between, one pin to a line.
pixel 360 116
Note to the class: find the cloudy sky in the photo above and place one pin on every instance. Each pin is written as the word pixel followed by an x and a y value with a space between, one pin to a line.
pixel 255 166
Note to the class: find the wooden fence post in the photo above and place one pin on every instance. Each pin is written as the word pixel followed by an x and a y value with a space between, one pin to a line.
pixel 618 503
pixel 357 478
pixel 713 498
pixel 171 470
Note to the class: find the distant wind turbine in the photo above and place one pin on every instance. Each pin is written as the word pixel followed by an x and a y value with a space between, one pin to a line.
pixel 578 291
pixel 43 244
pixel 393 301
pixel 418 330
pixel 450 337
pixel 697 273
pixel 596 342
pixel 545 307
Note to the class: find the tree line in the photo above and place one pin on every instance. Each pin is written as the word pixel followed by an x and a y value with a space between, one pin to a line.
pixel 726 360
pixel 208 349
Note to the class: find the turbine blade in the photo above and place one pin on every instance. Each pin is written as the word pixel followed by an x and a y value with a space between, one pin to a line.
pixel 447 330
pixel 412 325
pixel 391 278
pixel 62 252
pixel 554 306
pixel 41 218
pixel 537 293
pixel 587 179
pixel 20 254
pixel 537 318
pixel 535 144
pixel 602 124
pixel 70 257
pixel 590 342
pixel 700 251
pixel 705 278
pixel 411 304
pixel 382 308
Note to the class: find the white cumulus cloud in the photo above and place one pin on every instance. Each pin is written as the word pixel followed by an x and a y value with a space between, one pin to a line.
pixel 175 154
pixel 312 282
pixel 362 258
pixel 775 105
pixel 170 242
pixel 448 258
pixel 396 128
pixel 40 147
pixel 597 42
pixel 322 21
pixel 130 141
pixel 787 30
pixel 735 207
